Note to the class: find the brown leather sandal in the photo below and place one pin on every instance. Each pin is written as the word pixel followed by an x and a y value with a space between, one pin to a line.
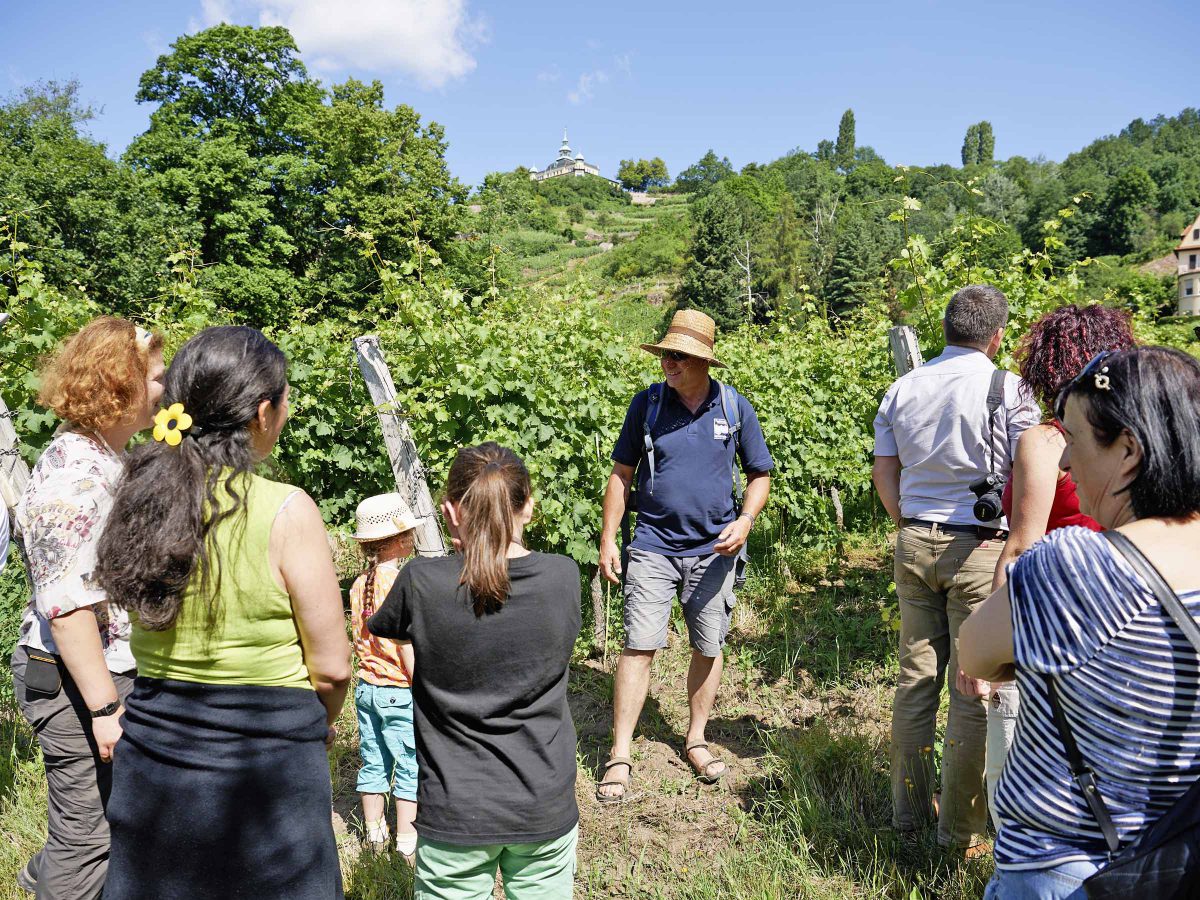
pixel 703 773
pixel 624 785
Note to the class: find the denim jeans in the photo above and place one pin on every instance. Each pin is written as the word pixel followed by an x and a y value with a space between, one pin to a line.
pixel 1062 882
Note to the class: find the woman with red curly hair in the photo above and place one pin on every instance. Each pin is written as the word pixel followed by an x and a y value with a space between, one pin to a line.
pixel 1040 497
pixel 72 667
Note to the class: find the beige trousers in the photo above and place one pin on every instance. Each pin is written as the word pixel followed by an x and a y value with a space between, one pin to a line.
pixel 940 578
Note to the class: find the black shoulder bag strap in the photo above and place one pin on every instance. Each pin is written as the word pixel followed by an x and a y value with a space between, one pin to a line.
pixel 1174 607
pixel 995 398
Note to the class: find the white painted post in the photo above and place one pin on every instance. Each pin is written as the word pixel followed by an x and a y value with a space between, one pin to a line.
pixel 906 351
pixel 14 475
pixel 401 448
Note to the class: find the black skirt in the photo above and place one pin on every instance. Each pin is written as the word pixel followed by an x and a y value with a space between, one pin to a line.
pixel 221 791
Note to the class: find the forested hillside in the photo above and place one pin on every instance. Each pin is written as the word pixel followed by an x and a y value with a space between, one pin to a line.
pixel 258 194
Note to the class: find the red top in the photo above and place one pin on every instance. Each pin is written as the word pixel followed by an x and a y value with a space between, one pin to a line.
pixel 1064 510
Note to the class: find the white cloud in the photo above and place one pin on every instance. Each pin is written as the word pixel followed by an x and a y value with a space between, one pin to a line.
pixel 549 76
pixel 624 64
pixel 429 40
pixel 154 42
pixel 586 86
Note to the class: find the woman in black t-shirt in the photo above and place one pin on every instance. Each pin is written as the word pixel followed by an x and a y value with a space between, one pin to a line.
pixel 492 629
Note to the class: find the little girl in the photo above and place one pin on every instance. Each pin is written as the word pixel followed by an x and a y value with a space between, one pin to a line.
pixel 383 696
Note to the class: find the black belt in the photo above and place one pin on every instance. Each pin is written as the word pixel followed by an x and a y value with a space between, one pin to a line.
pixel 980 531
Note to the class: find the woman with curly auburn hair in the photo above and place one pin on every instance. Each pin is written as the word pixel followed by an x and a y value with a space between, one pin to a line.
pixel 1040 497
pixel 72 667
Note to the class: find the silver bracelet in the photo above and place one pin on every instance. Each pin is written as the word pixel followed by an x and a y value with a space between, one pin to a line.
pixel 747 515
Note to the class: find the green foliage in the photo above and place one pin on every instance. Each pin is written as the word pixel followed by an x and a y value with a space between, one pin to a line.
pixel 658 250
pixel 1127 220
pixel 711 278
pixel 642 174
pixel 979 145
pixel 90 218
pixel 843 151
pixel 589 192
pixel 42 315
pixel 703 174
pixel 987 144
pixel 271 169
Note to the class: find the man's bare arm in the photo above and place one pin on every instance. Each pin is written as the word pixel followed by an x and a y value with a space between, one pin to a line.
pixel 886 475
pixel 616 495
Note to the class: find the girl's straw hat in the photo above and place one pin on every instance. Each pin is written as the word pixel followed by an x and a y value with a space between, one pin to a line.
pixel 383 516
pixel 691 332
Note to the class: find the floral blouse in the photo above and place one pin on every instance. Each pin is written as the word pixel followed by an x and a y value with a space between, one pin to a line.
pixel 61 515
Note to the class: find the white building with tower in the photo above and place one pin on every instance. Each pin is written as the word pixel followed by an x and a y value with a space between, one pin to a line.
pixel 567 166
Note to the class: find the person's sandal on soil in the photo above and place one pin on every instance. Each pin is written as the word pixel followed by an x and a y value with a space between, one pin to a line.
pixel 623 784
pixel 704 773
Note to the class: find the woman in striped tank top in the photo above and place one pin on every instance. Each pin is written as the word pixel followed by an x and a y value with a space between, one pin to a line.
pixel 1040 497
pixel 1074 612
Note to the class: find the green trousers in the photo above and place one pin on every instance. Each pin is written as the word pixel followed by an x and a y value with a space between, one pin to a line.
pixel 544 870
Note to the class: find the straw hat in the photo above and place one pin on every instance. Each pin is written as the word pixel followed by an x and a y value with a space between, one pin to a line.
pixel 383 516
pixel 691 332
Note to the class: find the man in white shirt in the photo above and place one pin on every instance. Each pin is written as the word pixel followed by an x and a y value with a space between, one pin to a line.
pixel 941 428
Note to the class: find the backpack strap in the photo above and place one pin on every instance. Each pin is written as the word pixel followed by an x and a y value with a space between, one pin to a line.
pixel 733 419
pixel 654 404
pixel 995 397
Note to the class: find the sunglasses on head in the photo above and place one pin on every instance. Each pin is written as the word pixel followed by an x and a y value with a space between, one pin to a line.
pixel 1095 368
pixel 674 356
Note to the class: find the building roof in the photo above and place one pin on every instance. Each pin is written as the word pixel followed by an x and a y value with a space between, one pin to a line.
pixel 1188 240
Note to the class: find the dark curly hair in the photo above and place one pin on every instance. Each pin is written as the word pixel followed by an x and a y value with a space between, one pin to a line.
pixel 1060 343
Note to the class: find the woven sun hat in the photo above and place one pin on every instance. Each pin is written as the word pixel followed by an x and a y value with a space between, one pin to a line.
pixel 690 332
pixel 383 516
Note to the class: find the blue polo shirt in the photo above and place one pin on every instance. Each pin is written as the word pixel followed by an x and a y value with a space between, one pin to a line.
pixel 693 465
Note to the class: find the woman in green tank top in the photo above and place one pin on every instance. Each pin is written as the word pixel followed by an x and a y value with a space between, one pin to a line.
pixel 220 783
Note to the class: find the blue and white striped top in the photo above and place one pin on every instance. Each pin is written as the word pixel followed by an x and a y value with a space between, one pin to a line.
pixel 1129 684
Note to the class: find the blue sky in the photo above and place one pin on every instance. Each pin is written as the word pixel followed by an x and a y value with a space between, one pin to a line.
pixel 752 80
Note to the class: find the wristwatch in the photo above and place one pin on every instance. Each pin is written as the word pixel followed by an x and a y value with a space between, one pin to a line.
pixel 106 710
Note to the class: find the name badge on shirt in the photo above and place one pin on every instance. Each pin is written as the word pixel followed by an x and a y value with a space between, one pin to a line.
pixel 720 429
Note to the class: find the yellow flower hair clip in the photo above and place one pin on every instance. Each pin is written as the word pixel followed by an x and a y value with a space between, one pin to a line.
pixel 170 423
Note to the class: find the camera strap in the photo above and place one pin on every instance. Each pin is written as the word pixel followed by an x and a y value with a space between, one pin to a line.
pixel 995 397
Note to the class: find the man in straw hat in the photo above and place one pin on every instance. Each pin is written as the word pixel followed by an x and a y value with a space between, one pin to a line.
pixel 684 437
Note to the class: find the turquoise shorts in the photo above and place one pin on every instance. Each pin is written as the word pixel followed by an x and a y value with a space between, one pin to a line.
pixel 386 741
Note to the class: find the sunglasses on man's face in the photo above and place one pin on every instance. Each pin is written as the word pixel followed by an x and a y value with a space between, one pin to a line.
pixel 1092 368
pixel 674 356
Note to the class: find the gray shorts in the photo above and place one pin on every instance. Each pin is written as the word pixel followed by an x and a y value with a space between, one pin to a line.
pixel 705 588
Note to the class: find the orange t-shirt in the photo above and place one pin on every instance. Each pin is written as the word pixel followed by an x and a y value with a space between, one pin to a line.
pixel 379 659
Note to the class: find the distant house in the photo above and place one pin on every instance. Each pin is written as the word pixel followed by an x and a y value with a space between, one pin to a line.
pixel 1188 270
pixel 568 166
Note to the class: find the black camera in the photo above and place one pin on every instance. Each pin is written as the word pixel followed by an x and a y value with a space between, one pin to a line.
pixel 988 489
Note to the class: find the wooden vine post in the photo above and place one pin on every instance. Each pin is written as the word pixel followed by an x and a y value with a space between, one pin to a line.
pixel 906 351
pixel 401 448
pixel 14 474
